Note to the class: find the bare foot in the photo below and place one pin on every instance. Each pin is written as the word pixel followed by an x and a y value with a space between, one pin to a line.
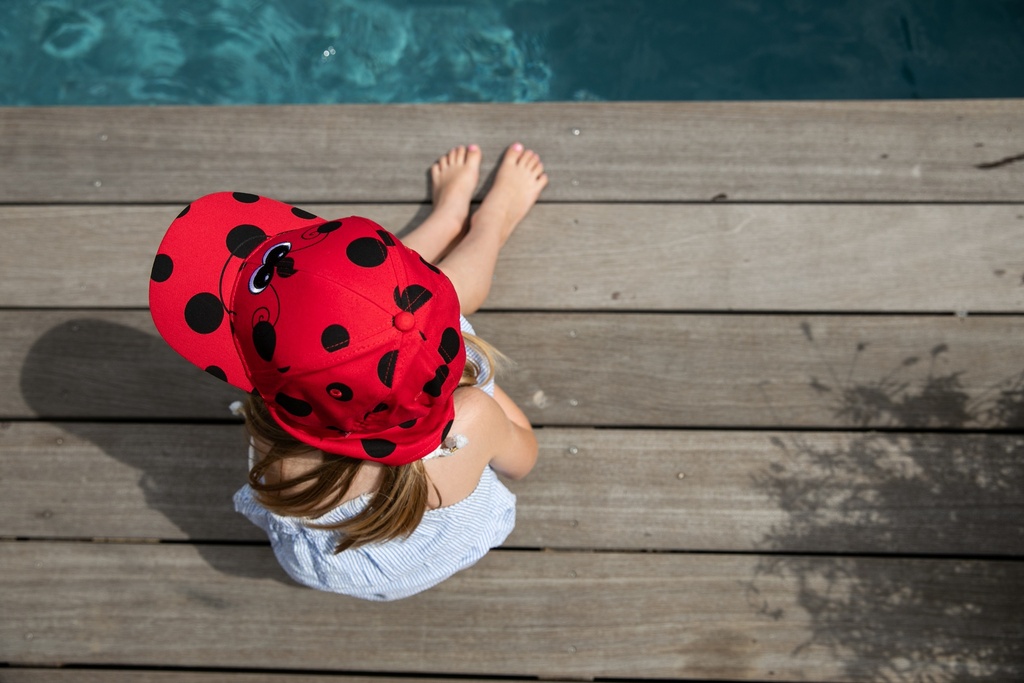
pixel 453 180
pixel 517 186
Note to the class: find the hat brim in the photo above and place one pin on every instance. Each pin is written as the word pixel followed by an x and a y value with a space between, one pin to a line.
pixel 195 269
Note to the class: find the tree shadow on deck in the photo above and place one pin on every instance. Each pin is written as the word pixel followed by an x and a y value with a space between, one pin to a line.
pixel 88 370
pixel 909 490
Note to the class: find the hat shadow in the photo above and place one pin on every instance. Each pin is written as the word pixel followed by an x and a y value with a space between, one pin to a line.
pixel 138 402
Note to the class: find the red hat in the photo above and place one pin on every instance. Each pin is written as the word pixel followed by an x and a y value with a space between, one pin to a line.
pixel 351 338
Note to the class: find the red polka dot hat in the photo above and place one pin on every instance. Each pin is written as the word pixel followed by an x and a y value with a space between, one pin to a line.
pixel 351 338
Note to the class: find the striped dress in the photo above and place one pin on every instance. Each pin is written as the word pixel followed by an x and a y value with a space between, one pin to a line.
pixel 448 539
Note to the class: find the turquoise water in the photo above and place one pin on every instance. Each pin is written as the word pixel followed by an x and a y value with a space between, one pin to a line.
pixel 101 52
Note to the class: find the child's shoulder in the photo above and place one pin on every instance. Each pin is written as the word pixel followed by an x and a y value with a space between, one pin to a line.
pixel 471 403
pixel 457 474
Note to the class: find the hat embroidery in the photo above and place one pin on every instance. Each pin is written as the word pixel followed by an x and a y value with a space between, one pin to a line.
pixel 273 259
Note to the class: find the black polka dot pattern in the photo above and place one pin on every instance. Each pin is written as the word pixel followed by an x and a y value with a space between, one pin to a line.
pixel 163 266
pixel 450 345
pixel 434 386
pixel 334 338
pixel 367 252
pixel 264 340
pixel 385 237
pixel 295 406
pixel 386 368
pixel 245 197
pixel 378 448
pixel 302 213
pixel 184 211
pixel 204 313
pixel 243 240
pixel 412 297
pixel 218 373
pixel 328 227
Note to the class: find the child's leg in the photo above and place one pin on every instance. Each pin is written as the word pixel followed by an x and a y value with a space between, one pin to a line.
pixel 470 264
pixel 453 180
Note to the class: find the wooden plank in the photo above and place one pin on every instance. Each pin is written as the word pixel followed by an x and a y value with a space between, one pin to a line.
pixel 763 371
pixel 519 614
pixel 143 481
pixel 605 489
pixel 757 257
pixel 666 151
pixel 18 675
pixel 107 364
pixel 790 492
pixel 752 257
pixel 598 369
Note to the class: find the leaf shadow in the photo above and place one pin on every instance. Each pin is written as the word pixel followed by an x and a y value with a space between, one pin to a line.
pixel 942 478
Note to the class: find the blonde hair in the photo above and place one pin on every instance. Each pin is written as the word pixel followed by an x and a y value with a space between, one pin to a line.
pixel 397 505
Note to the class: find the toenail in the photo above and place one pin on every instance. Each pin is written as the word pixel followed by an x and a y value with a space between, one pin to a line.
pixel 473 148
pixel 518 147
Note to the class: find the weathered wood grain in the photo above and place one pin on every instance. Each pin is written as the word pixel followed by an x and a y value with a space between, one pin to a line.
pixel 849 208
pixel 604 369
pixel 778 371
pixel 143 481
pixel 674 151
pixel 752 257
pixel 45 675
pixel 602 489
pixel 100 363
pixel 519 614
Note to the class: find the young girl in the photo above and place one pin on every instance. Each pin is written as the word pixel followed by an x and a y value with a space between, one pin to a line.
pixel 375 423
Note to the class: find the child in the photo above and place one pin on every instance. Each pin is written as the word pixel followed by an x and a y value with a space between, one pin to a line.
pixel 375 423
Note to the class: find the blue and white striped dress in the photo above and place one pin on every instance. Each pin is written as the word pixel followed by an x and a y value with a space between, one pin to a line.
pixel 448 539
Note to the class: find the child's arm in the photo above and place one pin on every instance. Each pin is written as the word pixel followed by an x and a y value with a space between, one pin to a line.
pixel 517 453
pixel 511 410
pixel 508 436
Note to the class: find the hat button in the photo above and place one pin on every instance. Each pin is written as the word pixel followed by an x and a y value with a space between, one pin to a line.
pixel 404 321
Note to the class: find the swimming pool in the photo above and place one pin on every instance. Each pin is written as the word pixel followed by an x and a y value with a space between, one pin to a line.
pixel 101 52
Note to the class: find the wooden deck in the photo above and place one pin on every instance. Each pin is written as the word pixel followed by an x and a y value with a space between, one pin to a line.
pixel 775 352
